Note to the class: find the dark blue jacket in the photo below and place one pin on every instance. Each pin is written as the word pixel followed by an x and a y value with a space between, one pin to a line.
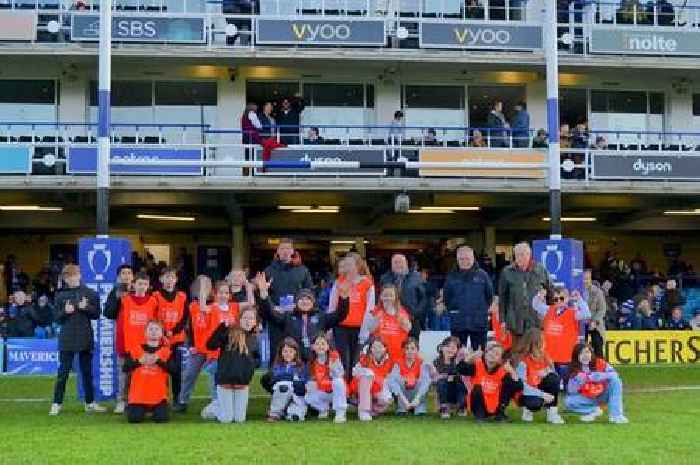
pixel 648 322
pixel 413 295
pixel 468 296
pixel 628 321
pixel 680 325
pixel 521 124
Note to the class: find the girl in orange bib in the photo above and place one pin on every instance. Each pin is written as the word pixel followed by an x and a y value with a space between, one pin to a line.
pixel 150 367
pixel 326 386
pixel 540 380
pixel 388 321
pixel 410 381
pixel 370 383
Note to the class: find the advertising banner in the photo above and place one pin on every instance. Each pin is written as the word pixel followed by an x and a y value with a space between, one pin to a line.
pixel 160 28
pixel 647 347
pixel 641 40
pixel 83 160
pixel 563 260
pixel 18 25
pixel 503 156
pixel 348 32
pixel 479 36
pixel 651 166
pixel 29 356
pixel 329 154
pixel 15 160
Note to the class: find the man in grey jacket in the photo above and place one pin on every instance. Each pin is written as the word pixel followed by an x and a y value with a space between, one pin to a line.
pixel 412 291
pixel 518 284
pixel 596 303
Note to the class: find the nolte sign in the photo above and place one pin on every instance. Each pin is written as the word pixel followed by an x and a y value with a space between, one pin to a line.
pixel 645 40
pixel 467 35
pixel 141 28
pixel 649 166
pixel 353 32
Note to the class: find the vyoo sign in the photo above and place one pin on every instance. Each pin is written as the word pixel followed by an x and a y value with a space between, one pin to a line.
pixel 141 28
pixel 466 35
pixel 680 167
pixel 645 40
pixel 355 32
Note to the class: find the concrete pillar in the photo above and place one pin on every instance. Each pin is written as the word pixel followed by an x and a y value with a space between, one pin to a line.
pixel 490 242
pixel 239 246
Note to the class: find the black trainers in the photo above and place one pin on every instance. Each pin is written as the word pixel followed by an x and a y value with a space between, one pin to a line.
pixel 501 418
pixel 179 408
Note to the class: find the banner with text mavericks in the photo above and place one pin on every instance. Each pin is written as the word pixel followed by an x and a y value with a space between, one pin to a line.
pixel 642 40
pixel 503 156
pixel 473 35
pixel 30 356
pixel 310 30
pixel 99 260
pixel 646 347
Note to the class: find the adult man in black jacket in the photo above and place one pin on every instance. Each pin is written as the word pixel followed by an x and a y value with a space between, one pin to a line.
pixel 288 118
pixel 286 280
pixel 413 295
pixel 76 305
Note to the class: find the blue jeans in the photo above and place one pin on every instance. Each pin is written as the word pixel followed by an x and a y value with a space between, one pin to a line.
pixel 611 396
pixel 195 363
pixel 438 322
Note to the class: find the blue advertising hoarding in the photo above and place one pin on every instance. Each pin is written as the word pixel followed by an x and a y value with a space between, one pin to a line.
pixel 15 160
pixel 99 259
pixel 162 28
pixel 563 260
pixel 83 160
pixel 29 356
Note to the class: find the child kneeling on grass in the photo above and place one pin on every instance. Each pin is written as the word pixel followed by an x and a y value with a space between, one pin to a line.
pixel 592 382
pixel 289 376
pixel 326 386
pixel 238 356
pixel 370 384
pixel 492 382
pixel 410 381
pixel 451 390
pixel 150 367
pixel 540 380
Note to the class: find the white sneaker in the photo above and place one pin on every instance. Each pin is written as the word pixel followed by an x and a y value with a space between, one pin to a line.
pixel 592 416
pixel 323 415
pixel 364 416
pixel 120 407
pixel 340 417
pixel 55 410
pixel 553 417
pixel 619 420
pixel 528 416
pixel 209 412
pixel 95 408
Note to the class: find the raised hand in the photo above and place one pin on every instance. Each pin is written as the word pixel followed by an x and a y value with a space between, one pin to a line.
pixel 344 289
pixel 263 284
pixel 69 308
pixel 82 305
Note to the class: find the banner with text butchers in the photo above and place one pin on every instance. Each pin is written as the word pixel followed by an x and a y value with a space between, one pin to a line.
pixel 466 35
pixel 484 156
pixel 350 32
pixel 646 347
pixel 645 40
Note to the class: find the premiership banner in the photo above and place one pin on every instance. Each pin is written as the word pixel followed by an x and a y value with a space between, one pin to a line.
pixel 29 356
pixel 99 260
pixel 647 347
pixel 563 260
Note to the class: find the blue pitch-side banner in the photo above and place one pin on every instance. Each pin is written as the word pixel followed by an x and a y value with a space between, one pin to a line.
pixel 15 160
pixel 83 160
pixel 563 259
pixel 99 260
pixel 29 356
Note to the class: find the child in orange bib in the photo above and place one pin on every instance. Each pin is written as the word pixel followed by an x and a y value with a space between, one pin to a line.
pixel 370 384
pixel 410 381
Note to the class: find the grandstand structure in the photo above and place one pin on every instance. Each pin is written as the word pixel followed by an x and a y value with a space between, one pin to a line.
pixel 183 71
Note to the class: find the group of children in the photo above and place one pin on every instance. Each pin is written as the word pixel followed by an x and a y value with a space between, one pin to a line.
pixel 151 330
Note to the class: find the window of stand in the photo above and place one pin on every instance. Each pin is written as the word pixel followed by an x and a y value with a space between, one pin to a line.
pixel 160 102
pixel 440 107
pixel 631 112
pixel 27 101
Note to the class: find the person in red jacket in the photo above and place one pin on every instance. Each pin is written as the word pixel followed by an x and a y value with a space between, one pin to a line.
pixel 150 366
pixel 173 312
pixel 410 381
pixel 327 386
pixel 370 383
pixel 492 383
pixel 388 321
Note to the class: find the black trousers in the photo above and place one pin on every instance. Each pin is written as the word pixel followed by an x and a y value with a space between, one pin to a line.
pixel 478 405
pixel 477 338
pixel 176 374
pixel 136 413
pixel 64 365
pixel 550 385
pixel 347 346
pixel 451 392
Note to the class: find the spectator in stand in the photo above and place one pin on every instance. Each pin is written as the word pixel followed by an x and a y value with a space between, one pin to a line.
pixel 474 9
pixel 521 126
pixel 518 284
pixel 664 12
pixel 267 121
pixel 42 285
pixel 288 117
pixel 4 323
pixel 76 307
pixel 3 285
pixel 627 317
pixel 397 129
pixel 42 314
pixel 565 136
pixel 430 138
pixel 251 125
pixel 497 125
pixel 695 321
pixel 632 12
pixel 21 311
pixel 412 292
pixel 601 143
pixel 468 294
pixel 677 322
pixel 286 281
pixel 312 137
pixel 672 298
pixel 478 139
pixel 579 138
pixel 595 298
pixel 647 319
pixel 540 140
